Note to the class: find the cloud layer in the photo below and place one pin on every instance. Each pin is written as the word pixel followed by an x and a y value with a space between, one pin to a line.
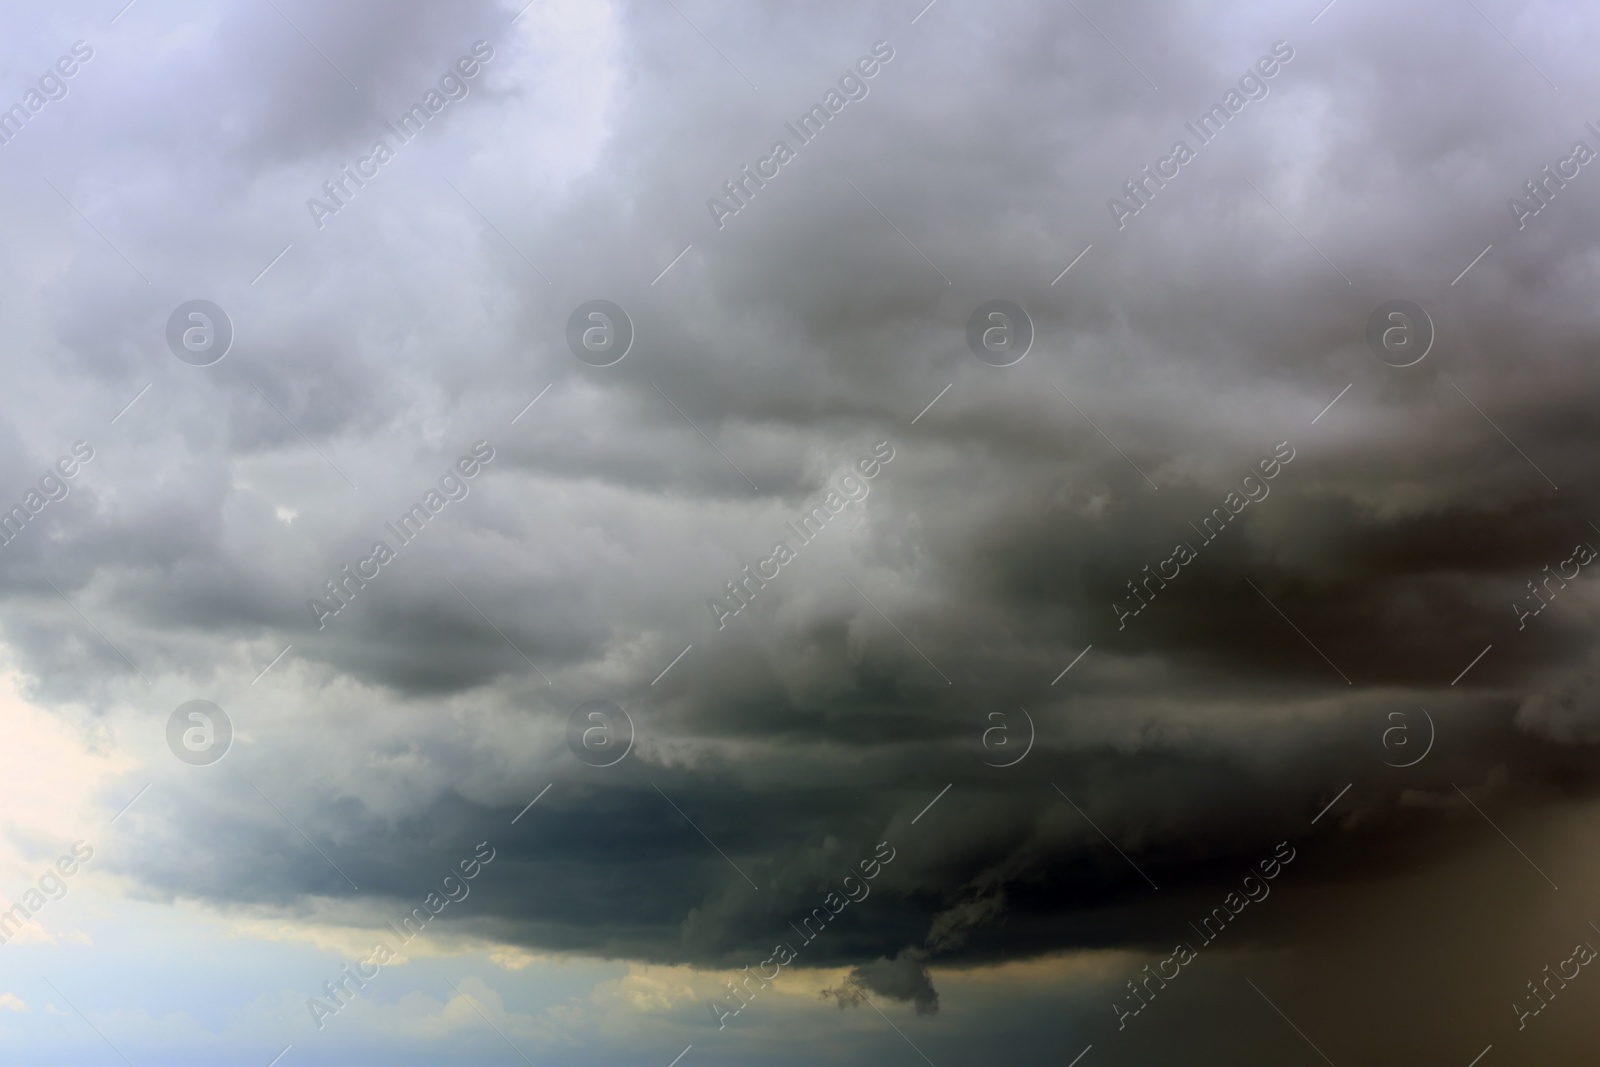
pixel 1077 557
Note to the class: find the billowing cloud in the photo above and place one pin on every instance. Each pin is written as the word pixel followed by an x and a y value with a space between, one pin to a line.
pixel 1079 640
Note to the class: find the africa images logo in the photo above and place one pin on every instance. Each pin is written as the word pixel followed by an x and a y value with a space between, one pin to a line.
pixel 810 524
pixel 453 486
pixel 199 733
pixel 453 85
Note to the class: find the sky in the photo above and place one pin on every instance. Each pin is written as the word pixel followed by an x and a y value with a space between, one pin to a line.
pixel 882 533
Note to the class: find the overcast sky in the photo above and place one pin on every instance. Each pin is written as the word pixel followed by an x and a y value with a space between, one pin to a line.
pixel 1246 568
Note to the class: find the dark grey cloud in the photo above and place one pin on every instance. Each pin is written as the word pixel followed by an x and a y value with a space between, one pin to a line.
pixel 782 347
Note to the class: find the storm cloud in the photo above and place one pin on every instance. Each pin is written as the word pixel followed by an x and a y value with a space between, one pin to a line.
pixel 1201 576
